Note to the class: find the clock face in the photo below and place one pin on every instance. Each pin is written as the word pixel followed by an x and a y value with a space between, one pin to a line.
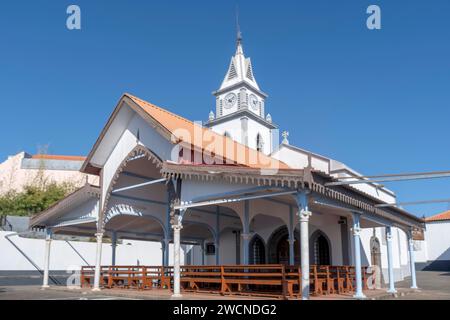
pixel 230 100
pixel 253 102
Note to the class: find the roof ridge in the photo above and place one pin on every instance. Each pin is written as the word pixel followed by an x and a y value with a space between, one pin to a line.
pixel 203 128
pixel 160 108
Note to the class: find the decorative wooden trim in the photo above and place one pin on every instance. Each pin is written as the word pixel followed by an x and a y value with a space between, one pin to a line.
pixel 139 150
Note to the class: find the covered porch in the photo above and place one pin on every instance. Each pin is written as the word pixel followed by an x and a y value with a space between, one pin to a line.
pixel 238 233
pixel 214 203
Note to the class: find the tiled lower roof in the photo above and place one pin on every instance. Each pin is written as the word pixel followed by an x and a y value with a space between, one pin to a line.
pixel 57 157
pixel 439 217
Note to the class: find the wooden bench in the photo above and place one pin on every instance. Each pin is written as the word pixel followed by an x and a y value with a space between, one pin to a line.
pixel 87 275
pixel 125 277
pixel 198 278
pixel 274 280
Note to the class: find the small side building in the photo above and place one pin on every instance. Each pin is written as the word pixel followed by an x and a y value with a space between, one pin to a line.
pixel 433 254
pixel 23 169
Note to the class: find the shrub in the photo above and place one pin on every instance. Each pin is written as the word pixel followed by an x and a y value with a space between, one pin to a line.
pixel 33 199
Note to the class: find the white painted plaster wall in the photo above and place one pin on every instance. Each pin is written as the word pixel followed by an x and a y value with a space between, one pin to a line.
pixel 437 236
pixel 13 177
pixel 128 141
pixel 399 252
pixel 62 256
pixel 233 127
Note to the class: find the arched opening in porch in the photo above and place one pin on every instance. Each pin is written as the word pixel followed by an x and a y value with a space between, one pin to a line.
pixel 218 228
pixel 278 247
pixel 198 242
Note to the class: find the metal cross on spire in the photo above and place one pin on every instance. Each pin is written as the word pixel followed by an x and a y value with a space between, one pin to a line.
pixel 285 136
pixel 238 27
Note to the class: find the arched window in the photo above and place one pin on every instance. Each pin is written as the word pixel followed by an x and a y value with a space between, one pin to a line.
pixel 257 251
pixel 259 142
pixel 321 249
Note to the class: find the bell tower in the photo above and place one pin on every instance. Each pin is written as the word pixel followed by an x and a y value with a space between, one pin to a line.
pixel 240 105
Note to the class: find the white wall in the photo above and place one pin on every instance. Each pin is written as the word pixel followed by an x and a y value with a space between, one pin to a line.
pixel 14 177
pixel 233 127
pixel 437 236
pixel 399 251
pixel 62 256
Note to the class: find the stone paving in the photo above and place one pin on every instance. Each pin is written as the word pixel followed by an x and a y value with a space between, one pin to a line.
pixel 433 286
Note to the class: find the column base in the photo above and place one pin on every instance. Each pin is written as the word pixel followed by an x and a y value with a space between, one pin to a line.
pixel 176 296
pixel 393 291
pixel 74 287
pixel 96 289
pixel 414 287
pixel 43 287
pixel 359 296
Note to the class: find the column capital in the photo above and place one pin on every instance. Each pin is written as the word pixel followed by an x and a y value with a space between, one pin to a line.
pixel 48 234
pixel 388 233
pixel 177 227
pixel 291 241
pixel 246 236
pixel 99 234
pixel 356 231
pixel 304 215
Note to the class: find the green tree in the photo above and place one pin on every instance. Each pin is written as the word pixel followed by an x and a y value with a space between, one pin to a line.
pixel 33 199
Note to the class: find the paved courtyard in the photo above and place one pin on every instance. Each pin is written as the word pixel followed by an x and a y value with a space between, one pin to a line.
pixel 433 286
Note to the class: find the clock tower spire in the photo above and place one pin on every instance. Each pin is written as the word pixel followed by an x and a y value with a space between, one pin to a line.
pixel 240 104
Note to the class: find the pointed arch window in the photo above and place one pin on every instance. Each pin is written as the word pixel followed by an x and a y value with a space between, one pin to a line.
pixel 321 250
pixel 259 142
pixel 257 251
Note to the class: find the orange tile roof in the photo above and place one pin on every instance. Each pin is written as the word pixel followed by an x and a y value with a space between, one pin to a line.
pixel 57 157
pixel 439 217
pixel 181 128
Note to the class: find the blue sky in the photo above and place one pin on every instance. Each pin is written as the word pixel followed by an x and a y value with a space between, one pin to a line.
pixel 376 100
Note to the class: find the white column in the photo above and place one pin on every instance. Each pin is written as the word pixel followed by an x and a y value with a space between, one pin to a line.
pixel 48 242
pixel 302 199
pixel 113 248
pixel 390 260
pixel 412 261
pixel 245 247
pixel 357 256
pixel 291 237
pixel 165 249
pixel 217 242
pixel 217 245
pixel 176 258
pixel 291 251
pixel 98 262
pixel 203 253
pixel 304 250
pixel 246 233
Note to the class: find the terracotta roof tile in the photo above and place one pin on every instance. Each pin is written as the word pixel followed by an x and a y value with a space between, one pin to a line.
pixel 57 157
pixel 179 127
pixel 439 217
